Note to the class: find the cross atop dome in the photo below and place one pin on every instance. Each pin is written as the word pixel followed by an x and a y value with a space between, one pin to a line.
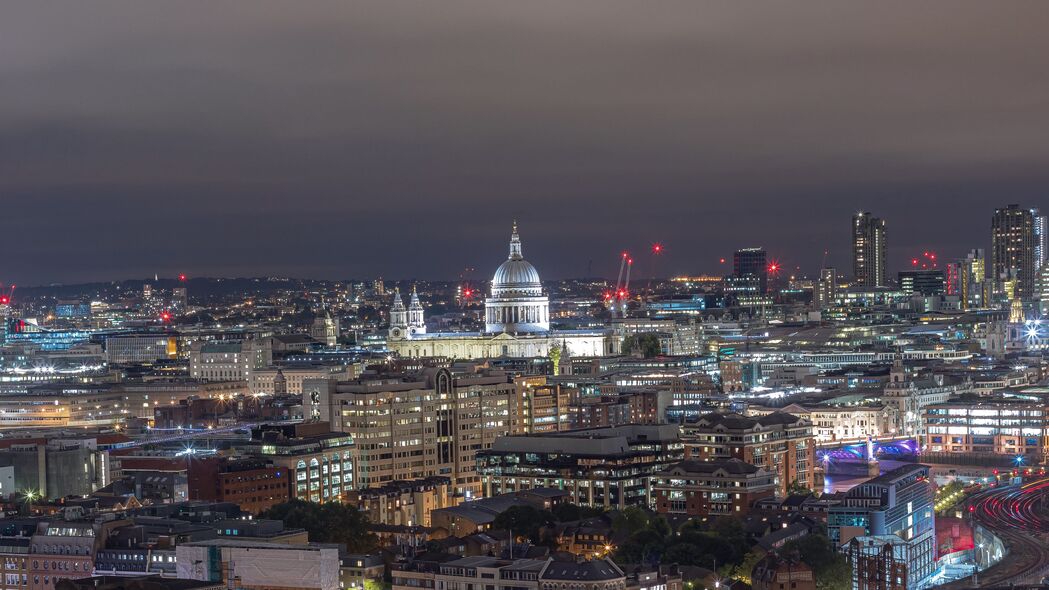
pixel 515 244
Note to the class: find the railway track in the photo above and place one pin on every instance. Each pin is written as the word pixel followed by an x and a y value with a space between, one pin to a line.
pixel 1018 517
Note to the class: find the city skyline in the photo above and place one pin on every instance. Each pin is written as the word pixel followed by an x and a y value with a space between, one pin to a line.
pixel 336 141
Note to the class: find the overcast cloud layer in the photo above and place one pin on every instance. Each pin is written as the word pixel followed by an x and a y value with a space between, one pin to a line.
pixel 353 139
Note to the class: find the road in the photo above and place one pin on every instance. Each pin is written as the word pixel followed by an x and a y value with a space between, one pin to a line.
pixel 1016 514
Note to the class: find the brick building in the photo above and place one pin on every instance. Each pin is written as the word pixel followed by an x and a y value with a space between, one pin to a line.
pixel 719 487
pixel 782 444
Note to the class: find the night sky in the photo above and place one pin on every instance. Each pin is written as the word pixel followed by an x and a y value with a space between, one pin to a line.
pixel 352 139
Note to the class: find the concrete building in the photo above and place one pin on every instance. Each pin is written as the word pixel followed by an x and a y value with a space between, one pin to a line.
pixel 719 487
pixel 53 468
pixel 780 443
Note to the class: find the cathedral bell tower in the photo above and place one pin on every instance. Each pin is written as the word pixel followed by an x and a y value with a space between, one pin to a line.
pixel 398 317
pixel 416 321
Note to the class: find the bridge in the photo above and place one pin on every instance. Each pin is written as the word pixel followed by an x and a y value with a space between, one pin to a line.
pixel 900 449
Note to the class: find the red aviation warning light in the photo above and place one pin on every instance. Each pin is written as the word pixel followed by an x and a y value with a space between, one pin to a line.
pixel 165 316
pixel 182 277
pixel 657 248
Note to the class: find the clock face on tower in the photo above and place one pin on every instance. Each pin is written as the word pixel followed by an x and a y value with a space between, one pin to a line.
pixel 396 332
pixel 412 330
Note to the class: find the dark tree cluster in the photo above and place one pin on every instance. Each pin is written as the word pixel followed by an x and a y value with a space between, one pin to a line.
pixel 331 522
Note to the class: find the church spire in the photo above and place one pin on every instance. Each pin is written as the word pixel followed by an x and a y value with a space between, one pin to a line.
pixel 515 244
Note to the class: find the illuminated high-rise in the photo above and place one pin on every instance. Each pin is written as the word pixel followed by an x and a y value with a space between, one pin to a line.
pixel 825 289
pixel 868 250
pixel 1041 239
pixel 972 280
pixel 752 263
pixel 5 314
pixel 1013 248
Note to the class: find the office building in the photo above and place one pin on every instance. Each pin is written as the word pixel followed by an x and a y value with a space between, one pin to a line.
pixel 925 281
pixel 420 424
pixel 782 444
pixel 5 317
pixel 975 292
pixel 1010 427
pixel 752 263
pixel 141 348
pixel 605 467
pixel 898 503
pixel 719 487
pixel 1013 249
pixel 319 463
pixel 229 360
pixel 868 251
pixel 544 407
pixel 253 484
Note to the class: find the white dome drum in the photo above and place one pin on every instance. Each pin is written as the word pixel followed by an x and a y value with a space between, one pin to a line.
pixel 517 303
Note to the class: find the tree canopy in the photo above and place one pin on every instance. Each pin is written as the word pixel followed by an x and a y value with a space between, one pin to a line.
pixel 526 521
pixel 830 568
pixel 330 522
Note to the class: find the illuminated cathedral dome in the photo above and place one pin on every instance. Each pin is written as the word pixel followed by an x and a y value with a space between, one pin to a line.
pixel 517 303
pixel 516 275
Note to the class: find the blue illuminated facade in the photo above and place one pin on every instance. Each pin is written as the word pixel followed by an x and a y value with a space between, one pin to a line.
pixel 898 503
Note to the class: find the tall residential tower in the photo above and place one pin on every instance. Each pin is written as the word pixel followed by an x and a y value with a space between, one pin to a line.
pixel 868 250
pixel 1013 248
